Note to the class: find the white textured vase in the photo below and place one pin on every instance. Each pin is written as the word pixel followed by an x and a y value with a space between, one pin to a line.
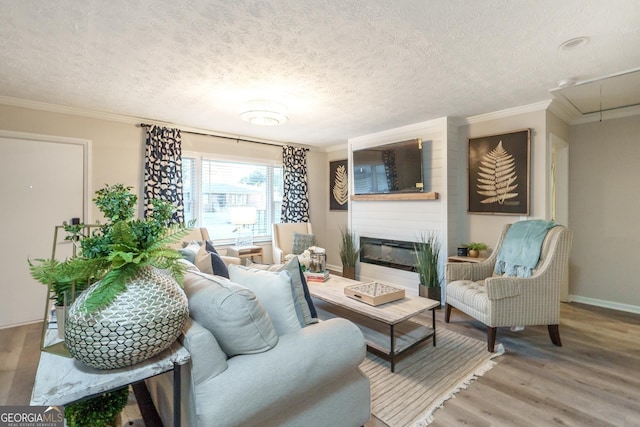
pixel 141 322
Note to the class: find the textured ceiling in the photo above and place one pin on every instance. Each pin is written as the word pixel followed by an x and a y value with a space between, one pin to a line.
pixel 343 68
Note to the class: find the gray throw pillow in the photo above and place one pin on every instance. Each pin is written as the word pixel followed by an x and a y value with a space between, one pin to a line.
pixel 273 290
pixel 190 251
pixel 302 242
pixel 231 312
pixel 304 308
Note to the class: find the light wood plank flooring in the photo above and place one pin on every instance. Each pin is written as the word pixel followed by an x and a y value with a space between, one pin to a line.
pixel 593 380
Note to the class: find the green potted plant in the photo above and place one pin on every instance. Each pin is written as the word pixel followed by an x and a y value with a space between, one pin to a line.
pixel 99 411
pixel 64 283
pixel 348 253
pixel 130 259
pixel 427 263
pixel 475 248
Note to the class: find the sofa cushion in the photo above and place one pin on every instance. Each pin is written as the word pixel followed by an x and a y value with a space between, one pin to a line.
pixel 302 242
pixel 305 309
pixel 231 312
pixel 273 290
pixel 211 262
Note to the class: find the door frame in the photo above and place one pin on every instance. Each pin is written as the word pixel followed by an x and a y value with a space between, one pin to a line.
pixel 558 193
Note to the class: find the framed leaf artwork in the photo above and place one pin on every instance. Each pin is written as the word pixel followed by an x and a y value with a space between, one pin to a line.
pixel 338 185
pixel 499 173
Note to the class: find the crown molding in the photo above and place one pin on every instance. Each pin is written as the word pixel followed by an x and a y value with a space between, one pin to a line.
pixel 564 110
pixel 62 109
pixel 334 148
pixel 509 112
pixel 121 118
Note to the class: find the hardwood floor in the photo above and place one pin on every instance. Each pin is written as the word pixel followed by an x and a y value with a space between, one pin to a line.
pixel 592 380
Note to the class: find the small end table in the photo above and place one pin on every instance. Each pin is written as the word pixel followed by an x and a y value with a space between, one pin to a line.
pixel 61 380
pixel 245 252
pixel 456 258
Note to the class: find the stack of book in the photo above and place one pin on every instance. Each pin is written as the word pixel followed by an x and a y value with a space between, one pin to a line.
pixel 322 276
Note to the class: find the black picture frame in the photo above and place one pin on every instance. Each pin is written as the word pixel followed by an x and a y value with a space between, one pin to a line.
pixel 499 173
pixel 339 185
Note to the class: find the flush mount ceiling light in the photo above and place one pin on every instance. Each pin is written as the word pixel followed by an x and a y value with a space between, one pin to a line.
pixel 574 43
pixel 264 113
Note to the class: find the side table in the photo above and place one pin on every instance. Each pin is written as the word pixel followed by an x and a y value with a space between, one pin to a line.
pixel 456 258
pixel 61 380
pixel 245 252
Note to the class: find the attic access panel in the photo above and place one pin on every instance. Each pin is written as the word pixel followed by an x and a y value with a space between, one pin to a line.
pixel 609 93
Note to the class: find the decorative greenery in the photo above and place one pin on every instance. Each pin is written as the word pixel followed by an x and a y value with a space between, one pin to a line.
pixel 60 279
pixel 58 276
pixel 477 246
pixel 114 252
pixel 427 255
pixel 348 252
pixel 99 411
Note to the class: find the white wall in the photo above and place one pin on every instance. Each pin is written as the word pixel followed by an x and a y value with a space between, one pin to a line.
pixel 407 219
pixel 604 201
pixel 604 198
pixel 117 147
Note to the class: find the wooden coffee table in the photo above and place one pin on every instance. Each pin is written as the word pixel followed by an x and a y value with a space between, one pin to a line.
pixel 387 328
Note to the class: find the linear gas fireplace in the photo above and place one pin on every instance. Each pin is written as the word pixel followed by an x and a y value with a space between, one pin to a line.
pixel 388 253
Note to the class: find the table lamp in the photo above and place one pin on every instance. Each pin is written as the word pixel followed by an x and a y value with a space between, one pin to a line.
pixel 243 216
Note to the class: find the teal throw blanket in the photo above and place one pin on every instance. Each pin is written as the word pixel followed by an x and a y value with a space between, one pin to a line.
pixel 520 250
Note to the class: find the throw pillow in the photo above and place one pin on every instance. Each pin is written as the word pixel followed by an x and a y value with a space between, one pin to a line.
pixel 302 242
pixel 305 309
pixel 219 266
pixel 190 251
pixel 211 263
pixel 273 290
pixel 210 247
pixel 231 312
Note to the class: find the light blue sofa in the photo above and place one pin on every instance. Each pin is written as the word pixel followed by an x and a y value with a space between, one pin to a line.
pixel 310 377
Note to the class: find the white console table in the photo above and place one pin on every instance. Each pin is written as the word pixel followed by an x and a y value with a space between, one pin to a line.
pixel 61 380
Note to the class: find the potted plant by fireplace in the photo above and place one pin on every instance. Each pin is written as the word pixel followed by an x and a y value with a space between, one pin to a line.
pixel 348 253
pixel 427 259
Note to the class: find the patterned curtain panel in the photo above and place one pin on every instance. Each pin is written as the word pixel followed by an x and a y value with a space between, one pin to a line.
pixel 390 169
pixel 163 169
pixel 295 199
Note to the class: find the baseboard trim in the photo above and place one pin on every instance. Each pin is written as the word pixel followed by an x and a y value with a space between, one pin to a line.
pixel 14 325
pixel 606 304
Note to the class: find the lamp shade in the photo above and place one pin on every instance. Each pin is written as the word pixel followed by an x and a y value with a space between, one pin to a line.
pixel 243 215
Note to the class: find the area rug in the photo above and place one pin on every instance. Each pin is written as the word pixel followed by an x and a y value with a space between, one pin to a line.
pixel 425 379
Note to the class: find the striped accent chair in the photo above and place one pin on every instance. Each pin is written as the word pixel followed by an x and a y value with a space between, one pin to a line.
pixel 499 301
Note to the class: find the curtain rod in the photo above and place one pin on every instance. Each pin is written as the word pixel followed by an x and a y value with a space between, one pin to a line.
pixel 146 125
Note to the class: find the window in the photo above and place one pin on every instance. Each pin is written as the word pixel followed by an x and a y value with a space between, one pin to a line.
pixel 214 190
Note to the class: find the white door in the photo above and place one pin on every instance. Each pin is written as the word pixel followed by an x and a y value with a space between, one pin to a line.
pixel 42 184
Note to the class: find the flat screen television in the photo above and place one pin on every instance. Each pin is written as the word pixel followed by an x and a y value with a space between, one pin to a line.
pixel 389 168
